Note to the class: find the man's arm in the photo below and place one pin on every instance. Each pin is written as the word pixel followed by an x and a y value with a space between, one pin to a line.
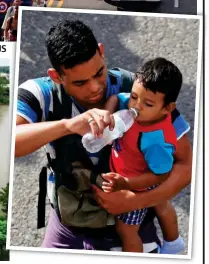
pixel 179 178
pixel 6 31
pixel 8 14
pixel 32 136
pixel 112 104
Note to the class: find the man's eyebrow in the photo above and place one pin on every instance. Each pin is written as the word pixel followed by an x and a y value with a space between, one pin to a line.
pixel 100 70
pixel 83 81
pixel 79 81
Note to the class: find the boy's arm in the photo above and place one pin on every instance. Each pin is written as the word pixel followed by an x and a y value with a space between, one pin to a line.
pixel 116 182
pixel 179 177
pixel 159 158
pixel 117 102
pixel 145 180
pixel 112 104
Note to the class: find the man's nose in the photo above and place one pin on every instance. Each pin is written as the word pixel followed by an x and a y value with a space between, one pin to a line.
pixel 94 86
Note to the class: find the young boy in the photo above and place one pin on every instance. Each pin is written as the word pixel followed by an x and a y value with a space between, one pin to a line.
pixel 147 148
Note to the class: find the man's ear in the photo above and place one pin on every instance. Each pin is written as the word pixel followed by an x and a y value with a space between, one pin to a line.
pixel 170 107
pixel 54 75
pixel 101 49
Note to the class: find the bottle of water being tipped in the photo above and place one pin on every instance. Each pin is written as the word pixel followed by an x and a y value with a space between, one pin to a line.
pixel 124 119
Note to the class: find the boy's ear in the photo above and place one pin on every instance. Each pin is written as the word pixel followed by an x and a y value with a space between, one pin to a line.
pixel 170 107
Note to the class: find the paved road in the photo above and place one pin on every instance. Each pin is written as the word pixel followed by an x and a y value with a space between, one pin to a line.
pixel 129 41
pixel 166 6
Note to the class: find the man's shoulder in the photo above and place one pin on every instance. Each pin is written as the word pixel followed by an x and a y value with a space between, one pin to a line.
pixel 38 90
pixel 41 83
pixel 10 9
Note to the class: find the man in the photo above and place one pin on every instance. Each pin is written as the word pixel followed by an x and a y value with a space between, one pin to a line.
pixel 11 12
pixel 10 33
pixel 81 81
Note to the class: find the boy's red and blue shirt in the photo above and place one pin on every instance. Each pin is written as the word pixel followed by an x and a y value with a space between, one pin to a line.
pixel 144 148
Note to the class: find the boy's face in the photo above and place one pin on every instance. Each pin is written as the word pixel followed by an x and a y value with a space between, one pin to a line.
pixel 150 105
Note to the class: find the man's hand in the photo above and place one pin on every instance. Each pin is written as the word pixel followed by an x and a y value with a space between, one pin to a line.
pixel 114 182
pixel 94 120
pixel 116 202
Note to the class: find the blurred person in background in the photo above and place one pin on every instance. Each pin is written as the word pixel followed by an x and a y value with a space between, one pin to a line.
pixel 10 32
pixel 39 2
pixel 11 12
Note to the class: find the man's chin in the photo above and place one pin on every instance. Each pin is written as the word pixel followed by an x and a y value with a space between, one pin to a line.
pixel 96 99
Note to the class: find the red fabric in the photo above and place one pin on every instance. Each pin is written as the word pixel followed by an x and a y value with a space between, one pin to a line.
pixel 129 160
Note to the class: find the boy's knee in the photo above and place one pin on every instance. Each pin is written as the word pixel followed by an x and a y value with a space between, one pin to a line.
pixel 127 231
pixel 164 208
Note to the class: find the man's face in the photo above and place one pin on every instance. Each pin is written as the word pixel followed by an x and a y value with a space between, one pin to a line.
pixel 17 3
pixel 86 82
pixel 16 11
pixel 150 105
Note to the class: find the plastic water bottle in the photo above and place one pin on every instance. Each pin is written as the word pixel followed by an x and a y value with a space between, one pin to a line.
pixel 124 119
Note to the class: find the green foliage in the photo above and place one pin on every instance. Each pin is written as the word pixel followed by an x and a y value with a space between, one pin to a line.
pixel 4 90
pixel 3 230
pixel 4 195
pixel 4 254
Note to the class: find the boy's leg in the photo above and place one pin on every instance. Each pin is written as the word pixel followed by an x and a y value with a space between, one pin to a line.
pixel 167 218
pixel 127 226
pixel 131 242
pixel 173 242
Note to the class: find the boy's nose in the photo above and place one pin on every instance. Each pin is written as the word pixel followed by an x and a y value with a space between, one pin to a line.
pixel 138 104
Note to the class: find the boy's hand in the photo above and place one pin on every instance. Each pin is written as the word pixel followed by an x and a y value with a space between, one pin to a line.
pixel 114 182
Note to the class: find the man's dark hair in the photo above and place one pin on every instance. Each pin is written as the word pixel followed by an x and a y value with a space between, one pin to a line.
pixel 70 43
pixel 161 75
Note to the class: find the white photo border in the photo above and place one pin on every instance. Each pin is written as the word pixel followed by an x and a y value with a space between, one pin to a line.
pixel 113 253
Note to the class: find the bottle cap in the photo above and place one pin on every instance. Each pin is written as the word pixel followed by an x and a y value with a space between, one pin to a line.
pixel 135 112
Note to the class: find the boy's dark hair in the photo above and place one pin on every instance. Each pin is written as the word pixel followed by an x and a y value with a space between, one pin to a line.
pixel 70 43
pixel 161 75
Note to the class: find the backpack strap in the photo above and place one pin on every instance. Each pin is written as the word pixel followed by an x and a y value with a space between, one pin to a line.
pixel 62 103
pixel 42 197
pixel 60 110
pixel 127 79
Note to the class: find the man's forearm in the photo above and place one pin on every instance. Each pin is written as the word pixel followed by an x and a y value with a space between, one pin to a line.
pixel 6 34
pixel 30 137
pixel 179 178
pixel 145 180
